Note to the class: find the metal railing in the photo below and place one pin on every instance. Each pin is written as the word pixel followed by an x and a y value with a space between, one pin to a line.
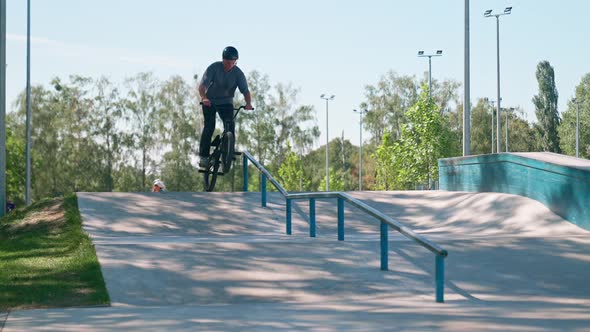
pixel 386 221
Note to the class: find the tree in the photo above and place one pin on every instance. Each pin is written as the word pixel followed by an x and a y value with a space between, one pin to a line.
pixel 387 101
pixel 79 152
pixel 567 128
pixel 386 172
pixel 546 108
pixel 105 119
pixel 141 103
pixel 294 124
pixel 291 173
pixel 255 129
pixel 47 134
pixel 521 133
pixel 277 121
pixel 481 127
pixel 453 122
pixel 177 172
pixel 15 162
pixel 423 141
pixel 445 93
pixel 179 124
pixel 336 181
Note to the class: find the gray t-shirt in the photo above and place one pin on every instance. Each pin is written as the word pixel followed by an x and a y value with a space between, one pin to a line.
pixel 221 86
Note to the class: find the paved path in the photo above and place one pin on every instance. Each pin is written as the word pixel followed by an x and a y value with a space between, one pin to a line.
pixel 219 262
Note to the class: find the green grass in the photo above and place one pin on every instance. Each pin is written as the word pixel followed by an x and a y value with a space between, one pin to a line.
pixel 47 260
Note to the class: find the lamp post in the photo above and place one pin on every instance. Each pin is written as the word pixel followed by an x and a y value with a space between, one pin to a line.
pixel 2 107
pixel 326 98
pixel 466 86
pixel 28 102
pixel 577 128
pixel 488 13
pixel 492 102
pixel 361 148
pixel 422 55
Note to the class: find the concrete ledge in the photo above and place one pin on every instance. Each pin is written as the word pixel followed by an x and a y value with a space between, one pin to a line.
pixel 562 183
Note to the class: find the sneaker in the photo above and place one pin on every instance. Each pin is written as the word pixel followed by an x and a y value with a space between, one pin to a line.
pixel 204 162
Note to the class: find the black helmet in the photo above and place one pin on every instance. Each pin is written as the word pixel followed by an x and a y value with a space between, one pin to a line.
pixel 230 53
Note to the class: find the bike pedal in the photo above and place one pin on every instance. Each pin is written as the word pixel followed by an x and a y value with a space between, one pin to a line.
pixel 206 171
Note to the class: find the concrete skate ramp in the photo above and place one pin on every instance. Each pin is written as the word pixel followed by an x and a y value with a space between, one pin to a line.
pixel 560 182
pixel 219 262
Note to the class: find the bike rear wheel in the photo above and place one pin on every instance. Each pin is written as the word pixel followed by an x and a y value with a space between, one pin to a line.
pixel 227 151
pixel 210 175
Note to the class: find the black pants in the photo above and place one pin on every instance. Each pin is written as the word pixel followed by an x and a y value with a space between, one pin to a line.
pixel 226 113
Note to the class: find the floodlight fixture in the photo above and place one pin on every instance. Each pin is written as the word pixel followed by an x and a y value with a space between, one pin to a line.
pixel 429 56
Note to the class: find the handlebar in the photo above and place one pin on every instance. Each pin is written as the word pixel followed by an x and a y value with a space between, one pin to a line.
pixel 243 107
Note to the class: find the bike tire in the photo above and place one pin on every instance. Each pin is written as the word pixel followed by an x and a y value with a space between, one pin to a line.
pixel 228 152
pixel 210 176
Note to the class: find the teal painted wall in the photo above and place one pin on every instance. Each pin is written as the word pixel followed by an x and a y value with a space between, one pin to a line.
pixel 565 190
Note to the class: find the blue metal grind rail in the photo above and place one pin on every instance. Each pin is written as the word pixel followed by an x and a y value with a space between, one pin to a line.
pixel 386 221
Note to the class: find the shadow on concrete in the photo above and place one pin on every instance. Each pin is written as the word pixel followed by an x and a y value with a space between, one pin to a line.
pixel 173 214
pixel 513 265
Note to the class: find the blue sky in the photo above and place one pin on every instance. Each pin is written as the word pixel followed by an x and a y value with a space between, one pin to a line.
pixel 333 47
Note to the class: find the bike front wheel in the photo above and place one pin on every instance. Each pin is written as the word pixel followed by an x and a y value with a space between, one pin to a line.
pixel 228 151
pixel 210 174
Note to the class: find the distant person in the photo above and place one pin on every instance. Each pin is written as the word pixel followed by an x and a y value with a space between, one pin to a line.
pixel 217 88
pixel 10 206
pixel 159 186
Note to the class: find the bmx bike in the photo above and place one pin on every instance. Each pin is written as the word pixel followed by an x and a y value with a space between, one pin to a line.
pixel 223 154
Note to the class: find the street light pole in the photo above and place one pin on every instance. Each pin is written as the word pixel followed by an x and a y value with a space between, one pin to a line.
pixel 2 107
pixel 492 102
pixel 361 149
pixel 577 128
pixel 422 55
pixel 488 13
pixel 326 98
pixel 466 88
pixel 498 148
pixel 28 119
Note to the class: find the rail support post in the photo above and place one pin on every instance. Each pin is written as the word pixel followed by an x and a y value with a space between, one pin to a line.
pixel 263 190
pixel 312 226
pixel 440 279
pixel 245 168
pixel 288 221
pixel 384 246
pixel 340 219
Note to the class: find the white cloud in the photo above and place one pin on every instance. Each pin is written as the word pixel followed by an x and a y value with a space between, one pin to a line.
pixel 36 40
pixel 101 54
pixel 157 61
